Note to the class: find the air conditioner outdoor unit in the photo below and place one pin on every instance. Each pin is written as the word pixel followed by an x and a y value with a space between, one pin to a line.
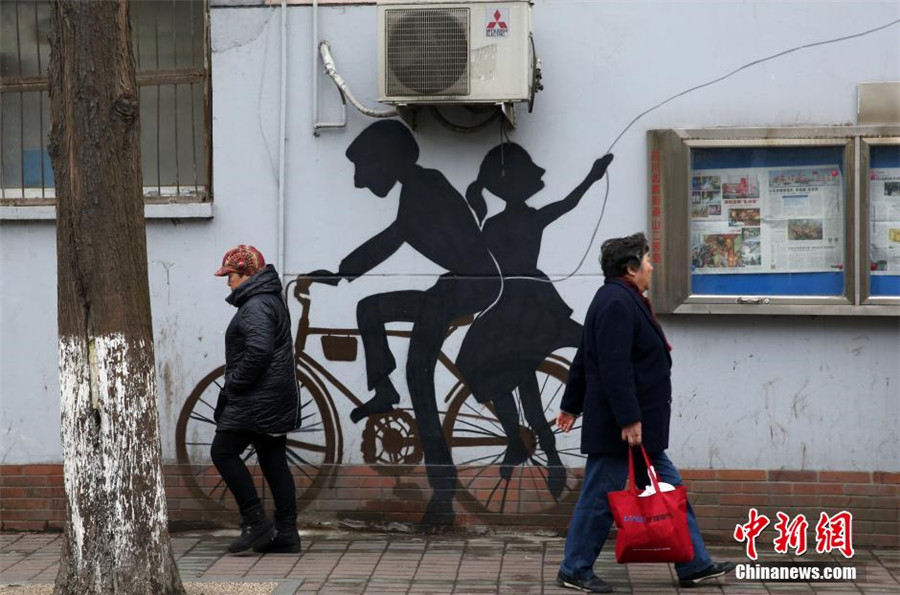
pixel 438 52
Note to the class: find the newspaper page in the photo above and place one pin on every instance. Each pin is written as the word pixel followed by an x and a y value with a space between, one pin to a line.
pixel 884 221
pixel 767 220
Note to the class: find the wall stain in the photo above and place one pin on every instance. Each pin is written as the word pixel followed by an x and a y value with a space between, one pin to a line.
pixel 713 454
pixel 778 434
pixel 10 444
pixel 167 265
pixel 857 351
pixel 735 363
pixel 799 403
pixel 253 26
pixel 167 389
pixel 767 386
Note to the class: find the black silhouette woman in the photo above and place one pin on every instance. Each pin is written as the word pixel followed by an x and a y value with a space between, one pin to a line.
pixel 506 344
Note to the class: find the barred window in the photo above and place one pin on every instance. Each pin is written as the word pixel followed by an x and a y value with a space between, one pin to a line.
pixel 170 40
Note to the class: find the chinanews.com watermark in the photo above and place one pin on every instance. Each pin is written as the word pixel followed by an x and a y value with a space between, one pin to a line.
pixel 833 535
pixel 795 572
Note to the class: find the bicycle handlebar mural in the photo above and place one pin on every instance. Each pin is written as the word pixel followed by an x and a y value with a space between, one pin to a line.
pixel 490 441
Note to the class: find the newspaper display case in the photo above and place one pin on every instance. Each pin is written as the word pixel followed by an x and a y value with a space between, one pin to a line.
pixel 776 220
pixel 880 218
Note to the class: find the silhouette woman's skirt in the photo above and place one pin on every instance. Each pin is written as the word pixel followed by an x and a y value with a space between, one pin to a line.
pixel 509 341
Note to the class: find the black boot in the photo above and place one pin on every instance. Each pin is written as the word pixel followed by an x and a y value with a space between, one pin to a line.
pixel 438 518
pixel 256 529
pixel 286 541
pixel 386 396
pixel 515 455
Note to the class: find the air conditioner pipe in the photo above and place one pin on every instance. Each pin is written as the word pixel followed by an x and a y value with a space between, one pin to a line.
pixel 318 125
pixel 328 61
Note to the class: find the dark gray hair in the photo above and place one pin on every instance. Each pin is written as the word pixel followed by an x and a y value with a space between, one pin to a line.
pixel 618 255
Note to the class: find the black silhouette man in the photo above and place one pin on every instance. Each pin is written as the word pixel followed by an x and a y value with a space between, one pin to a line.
pixel 435 220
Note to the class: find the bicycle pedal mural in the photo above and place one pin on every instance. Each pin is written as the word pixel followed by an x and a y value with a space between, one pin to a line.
pixel 486 347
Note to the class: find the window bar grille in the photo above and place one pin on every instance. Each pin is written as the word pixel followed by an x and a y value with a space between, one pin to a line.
pixel 175 93
pixel 193 138
pixel 158 104
pixel 177 152
pixel 21 108
pixel 41 142
pixel 135 18
pixel 193 115
pixel 2 177
pixel 207 103
pixel 25 150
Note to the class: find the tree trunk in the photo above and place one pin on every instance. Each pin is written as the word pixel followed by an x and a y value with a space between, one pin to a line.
pixel 116 535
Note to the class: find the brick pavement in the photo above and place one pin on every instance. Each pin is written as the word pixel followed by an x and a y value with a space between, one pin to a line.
pixel 338 562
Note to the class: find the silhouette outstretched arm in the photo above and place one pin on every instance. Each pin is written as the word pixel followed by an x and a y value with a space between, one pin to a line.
pixel 554 211
pixel 372 252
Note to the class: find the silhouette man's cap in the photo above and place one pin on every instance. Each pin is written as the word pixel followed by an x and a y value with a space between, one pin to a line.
pixel 243 259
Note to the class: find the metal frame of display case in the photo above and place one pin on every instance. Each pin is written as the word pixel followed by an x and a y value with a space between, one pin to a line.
pixel 865 144
pixel 669 160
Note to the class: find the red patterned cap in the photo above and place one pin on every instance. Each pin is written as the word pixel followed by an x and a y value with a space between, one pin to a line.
pixel 243 259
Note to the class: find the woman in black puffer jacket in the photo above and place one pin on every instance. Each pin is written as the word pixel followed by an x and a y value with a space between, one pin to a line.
pixel 260 402
pixel 260 381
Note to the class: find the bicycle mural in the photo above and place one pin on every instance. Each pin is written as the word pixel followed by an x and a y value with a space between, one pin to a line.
pixel 481 419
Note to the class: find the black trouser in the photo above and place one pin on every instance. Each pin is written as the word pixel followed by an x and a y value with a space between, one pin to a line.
pixel 431 312
pixel 226 451
pixel 532 404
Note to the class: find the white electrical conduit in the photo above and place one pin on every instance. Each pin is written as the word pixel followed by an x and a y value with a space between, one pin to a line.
pixel 328 61
pixel 280 225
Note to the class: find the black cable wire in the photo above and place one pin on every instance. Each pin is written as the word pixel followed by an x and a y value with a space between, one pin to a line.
pixel 676 96
pixel 748 65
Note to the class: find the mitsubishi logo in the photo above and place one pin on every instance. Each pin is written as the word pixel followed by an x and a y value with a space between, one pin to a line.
pixel 495 22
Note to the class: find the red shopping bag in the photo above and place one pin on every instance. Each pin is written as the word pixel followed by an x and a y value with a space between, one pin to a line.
pixel 651 528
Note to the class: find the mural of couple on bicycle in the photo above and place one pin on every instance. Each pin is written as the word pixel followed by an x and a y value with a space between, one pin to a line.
pixel 495 446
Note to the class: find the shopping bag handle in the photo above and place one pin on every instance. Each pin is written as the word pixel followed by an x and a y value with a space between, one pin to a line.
pixel 651 472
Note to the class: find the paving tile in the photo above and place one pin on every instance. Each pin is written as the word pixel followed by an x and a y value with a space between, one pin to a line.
pixel 343 563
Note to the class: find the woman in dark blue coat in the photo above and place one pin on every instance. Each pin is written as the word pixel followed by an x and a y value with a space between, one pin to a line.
pixel 620 382
pixel 259 403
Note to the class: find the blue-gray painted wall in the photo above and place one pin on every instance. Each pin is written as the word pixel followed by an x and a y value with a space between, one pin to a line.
pixel 791 392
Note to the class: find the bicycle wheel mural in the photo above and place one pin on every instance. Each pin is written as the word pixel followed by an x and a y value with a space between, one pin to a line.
pixel 312 451
pixel 489 441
